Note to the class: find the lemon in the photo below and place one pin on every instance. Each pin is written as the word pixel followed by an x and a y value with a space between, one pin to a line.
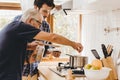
pixel 88 66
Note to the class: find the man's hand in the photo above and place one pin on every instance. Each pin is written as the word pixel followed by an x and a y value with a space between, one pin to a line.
pixel 33 45
pixel 77 46
pixel 56 53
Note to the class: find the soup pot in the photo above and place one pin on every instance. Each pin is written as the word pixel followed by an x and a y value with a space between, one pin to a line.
pixel 77 61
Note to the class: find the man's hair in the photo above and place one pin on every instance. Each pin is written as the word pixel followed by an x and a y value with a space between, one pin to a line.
pixel 39 3
pixel 30 13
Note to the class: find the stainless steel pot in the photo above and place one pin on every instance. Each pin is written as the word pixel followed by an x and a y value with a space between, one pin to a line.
pixel 76 61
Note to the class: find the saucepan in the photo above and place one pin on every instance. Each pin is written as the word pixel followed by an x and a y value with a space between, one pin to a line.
pixel 77 61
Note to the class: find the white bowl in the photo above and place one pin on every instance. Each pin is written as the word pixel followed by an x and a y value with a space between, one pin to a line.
pixel 97 74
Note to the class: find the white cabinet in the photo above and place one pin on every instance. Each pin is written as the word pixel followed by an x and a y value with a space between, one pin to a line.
pixel 89 6
pixel 96 5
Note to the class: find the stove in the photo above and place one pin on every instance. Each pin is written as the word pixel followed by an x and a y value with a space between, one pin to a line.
pixel 62 68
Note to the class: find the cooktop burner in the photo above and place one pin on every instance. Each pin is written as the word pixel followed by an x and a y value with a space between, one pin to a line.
pixel 63 72
pixel 76 71
pixel 62 68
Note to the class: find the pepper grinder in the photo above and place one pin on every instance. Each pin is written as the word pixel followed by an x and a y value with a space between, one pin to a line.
pixel 69 75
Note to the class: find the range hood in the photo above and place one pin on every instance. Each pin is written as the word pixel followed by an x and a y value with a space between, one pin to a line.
pixel 88 6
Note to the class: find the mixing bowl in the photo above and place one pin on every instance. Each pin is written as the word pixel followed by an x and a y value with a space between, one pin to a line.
pixel 97 74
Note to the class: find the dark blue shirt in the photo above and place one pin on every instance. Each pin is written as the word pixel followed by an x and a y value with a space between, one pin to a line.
pixel 13 43
pixel 32 68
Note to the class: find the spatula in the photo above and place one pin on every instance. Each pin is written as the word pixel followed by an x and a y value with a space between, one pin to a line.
pixel 95 53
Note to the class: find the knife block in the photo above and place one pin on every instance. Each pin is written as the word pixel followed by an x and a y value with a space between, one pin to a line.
pixel 108 62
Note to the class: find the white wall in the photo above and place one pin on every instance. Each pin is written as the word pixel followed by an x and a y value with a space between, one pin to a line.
pixel 93 34
pixel 26 4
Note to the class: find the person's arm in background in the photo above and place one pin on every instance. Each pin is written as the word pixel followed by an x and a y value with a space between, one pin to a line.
pixel 55 38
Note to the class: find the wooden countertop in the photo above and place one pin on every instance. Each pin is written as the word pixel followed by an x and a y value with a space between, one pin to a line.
pixel 47 59
pixel 47 74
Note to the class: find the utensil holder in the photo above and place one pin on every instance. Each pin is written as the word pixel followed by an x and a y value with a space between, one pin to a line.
pixel 105 64
pixel 108 62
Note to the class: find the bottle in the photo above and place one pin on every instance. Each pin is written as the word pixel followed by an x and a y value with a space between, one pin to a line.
pixel 40 52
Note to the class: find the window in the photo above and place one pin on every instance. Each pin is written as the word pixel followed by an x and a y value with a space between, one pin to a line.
pixel 12 1
pixel 7 16
pixel 8 10
pixel 68 26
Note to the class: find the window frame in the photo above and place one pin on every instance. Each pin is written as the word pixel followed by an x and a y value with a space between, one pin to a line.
pixel 9 6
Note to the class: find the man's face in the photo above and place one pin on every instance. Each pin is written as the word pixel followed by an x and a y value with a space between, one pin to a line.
pixel 45 10
pixel 36 21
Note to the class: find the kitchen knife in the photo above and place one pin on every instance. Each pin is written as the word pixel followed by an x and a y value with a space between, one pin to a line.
pixel 118 60
pixel 110 52
pixel 95 53
pixel 104 49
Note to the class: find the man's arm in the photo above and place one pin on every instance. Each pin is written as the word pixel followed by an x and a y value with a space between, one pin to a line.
pixel 55 38
pixel 32 45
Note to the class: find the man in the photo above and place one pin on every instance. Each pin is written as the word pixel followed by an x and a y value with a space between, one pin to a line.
pixel 44 7
pixel 13 43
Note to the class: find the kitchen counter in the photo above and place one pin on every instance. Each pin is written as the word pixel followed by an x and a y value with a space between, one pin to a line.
pixel 47 74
